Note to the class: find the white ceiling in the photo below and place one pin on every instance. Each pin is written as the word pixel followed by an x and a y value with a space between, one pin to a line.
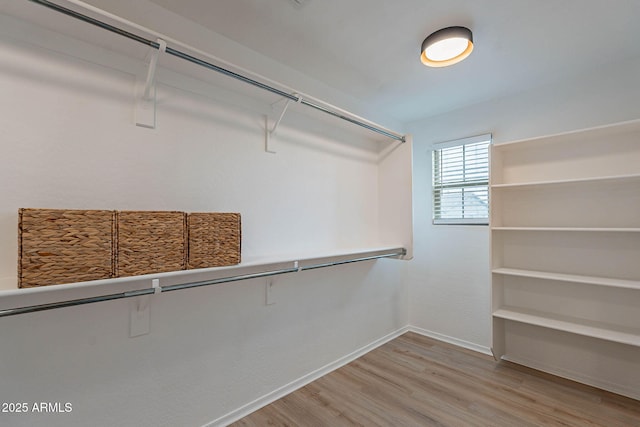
pixel 369 49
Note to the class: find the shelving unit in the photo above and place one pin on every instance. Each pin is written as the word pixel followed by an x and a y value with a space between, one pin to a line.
pixel 565 257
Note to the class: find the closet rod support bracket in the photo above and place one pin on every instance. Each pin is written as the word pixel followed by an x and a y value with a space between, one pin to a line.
pixel 270 133
pixel 146 90
pixel 139 311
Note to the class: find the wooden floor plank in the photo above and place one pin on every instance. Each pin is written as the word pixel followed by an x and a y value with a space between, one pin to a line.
pixel 417 381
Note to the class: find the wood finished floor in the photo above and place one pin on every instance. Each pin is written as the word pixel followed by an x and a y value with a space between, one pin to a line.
pixel 417 381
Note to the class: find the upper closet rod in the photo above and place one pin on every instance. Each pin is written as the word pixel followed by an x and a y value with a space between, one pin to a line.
pixel 336 112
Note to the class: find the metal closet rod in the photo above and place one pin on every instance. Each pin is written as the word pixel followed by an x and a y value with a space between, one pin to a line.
pixel 130 294
pixel 202 63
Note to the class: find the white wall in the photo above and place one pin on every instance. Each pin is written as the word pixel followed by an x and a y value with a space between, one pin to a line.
pixel 449 281
pixel 68 141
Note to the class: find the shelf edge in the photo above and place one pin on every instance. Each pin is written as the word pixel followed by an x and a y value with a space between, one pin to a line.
pixel 581 229
pixel 569 325
pixel 568 181
pixel 571 278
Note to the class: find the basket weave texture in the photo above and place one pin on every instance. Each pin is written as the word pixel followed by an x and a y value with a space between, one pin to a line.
pixel 57 246
pixel 64 246
pixel 150 242
pixel 214 239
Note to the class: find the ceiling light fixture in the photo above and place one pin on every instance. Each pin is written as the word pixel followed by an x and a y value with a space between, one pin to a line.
pixel 447 46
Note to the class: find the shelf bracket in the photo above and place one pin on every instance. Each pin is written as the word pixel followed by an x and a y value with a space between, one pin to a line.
pixel 139 312
pixel 146 90
pixel 270 133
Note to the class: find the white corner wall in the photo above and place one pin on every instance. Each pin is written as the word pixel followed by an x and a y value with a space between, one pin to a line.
pixel 449 280
pixel 68 141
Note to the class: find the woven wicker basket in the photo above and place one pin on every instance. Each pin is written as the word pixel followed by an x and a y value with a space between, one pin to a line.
pixel 214 239
pixel 150 242
pixel 63 246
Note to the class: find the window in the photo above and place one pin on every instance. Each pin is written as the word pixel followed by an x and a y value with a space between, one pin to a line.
pixel 461 181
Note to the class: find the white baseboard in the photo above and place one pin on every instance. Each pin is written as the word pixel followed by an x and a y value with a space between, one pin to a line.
pixel 631 392
pixel 302 381
pixel 451 340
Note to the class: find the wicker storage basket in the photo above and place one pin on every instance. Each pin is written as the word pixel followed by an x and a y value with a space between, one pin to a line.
pixel 214 239
pixel 150 242
pixel 58 246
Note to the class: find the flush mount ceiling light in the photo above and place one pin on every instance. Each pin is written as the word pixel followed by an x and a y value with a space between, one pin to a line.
pixel 447 46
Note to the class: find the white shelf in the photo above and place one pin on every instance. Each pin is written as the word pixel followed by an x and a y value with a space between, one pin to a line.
pixel 594 229
pixel 14 298
pixel 573 278
pixel 600 330
pixel 600 131
pixel 610 178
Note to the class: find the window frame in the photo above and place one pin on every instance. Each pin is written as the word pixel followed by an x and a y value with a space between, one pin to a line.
pixel 462 184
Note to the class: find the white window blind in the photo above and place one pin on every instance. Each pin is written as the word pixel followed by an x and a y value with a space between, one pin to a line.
pixel 461 181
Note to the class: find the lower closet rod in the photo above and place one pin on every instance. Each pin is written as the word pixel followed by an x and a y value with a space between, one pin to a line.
pixel 71 303
pixel 348 261
pixel 61 304
pixel 202 63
